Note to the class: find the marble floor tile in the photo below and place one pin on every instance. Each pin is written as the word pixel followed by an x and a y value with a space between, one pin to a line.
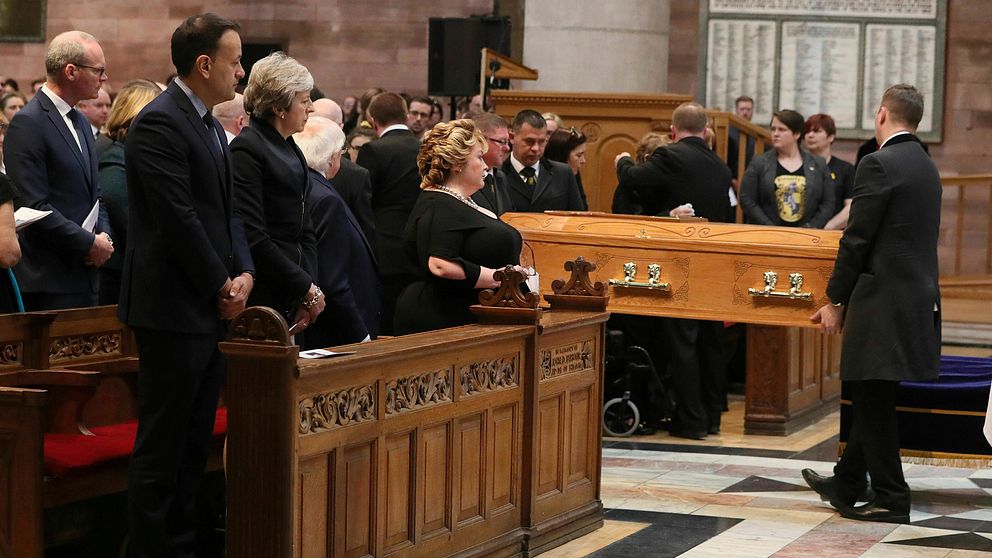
pixel 827 543
pixel 611 532
pixel 908 532
pixel 978 515
pixel 700 481
pixel 899 551
pixel 738 545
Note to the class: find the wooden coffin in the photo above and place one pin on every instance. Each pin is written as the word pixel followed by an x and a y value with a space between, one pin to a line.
pixel 711 271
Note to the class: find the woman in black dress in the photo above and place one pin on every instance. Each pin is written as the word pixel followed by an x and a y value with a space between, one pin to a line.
pixel 455 244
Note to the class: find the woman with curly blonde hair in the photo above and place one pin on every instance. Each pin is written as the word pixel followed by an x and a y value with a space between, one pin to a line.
pixel 455 244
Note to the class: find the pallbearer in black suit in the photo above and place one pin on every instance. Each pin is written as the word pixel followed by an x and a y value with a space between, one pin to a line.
pixel 50 157
pixel 885 299
pixel 536 184
pixel 493 196
pixel 687 172
pixel 455 244
pixel 346 267
pixel 392 164
pixel 271 187
pixel 187 270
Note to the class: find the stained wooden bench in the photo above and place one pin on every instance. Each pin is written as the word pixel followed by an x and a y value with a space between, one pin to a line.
pixel 68 386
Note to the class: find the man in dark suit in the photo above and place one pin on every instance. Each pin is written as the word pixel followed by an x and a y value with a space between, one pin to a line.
pixel 493 195
pixel 536 184
pixel 352 181
pixel 392 164
pixel 885 299
pixel 346 266
pixel 96 112
pixel 49 156
pixel 187 271
pixel 687 172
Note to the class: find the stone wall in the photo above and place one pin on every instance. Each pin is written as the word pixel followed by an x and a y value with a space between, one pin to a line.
pixel 347 44
pixel 967 144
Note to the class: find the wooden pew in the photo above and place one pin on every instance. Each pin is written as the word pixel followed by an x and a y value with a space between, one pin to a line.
pixel 67 410
pixel 481 440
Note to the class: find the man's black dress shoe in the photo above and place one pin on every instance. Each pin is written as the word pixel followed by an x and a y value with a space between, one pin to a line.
pixel 828 490
pixel 873 512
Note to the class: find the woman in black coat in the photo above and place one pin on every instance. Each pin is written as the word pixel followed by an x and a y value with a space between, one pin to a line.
pixel 787 186
pixel 271 188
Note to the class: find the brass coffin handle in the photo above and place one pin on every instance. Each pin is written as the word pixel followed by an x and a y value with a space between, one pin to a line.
pixel 629 278
pixel 794 292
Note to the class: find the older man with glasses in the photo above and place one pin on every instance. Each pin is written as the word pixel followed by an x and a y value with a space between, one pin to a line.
pixel 50 155
pixel 493 195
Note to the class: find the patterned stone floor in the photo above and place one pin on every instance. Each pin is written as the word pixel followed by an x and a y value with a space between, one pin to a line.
pixel 730 497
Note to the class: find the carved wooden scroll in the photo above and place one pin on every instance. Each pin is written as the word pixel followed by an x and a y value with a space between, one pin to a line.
pixel 579 292
pixel 508 304
pixel 259 324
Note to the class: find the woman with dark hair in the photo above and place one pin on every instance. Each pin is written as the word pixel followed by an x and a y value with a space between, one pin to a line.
pixel 11 103
pixel 455 244
pixel 820 133
pixel 271 186
pixel 787 186
pixel 356 139
pixel 569 147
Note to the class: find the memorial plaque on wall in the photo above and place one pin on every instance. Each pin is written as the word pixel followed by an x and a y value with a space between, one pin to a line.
pixel 22 20
pixel 830 56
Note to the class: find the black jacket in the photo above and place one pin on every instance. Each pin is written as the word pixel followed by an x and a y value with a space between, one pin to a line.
pixel 886 271
pixel 556 188
pixel 757 192
pixel 684 172
pixel 353 184
pixel 346 272
pixel 495 197
pixel 392 164
pixel 270 191
pixel 183 239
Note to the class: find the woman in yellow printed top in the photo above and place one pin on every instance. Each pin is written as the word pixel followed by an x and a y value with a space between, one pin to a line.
pixel 787 186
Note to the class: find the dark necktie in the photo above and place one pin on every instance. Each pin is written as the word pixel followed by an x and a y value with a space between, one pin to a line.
pixel 528 175
pixel 83 129
pixel 490 186
pixel 208 120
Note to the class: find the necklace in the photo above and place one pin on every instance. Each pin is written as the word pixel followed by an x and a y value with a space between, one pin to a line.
pixel 467 201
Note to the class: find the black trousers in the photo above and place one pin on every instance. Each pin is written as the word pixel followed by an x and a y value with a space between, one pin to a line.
pixel 698 373
pixel 178 387
pixel 873 445
pixel 392 286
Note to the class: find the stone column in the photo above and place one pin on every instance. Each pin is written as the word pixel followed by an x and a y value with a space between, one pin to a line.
pixel 597 45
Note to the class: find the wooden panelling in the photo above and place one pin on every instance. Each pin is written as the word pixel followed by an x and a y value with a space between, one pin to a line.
pixel 314 498
pixel 436 473
pixel 550 445
pixel 503 452
pixel 400 495
pixel 436 450
pixel 578 439
pixel 471 473
pixel 357 488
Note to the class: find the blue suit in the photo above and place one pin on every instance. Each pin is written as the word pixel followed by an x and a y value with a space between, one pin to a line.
pixel 51 173
pixel 184 243
pixel 346 271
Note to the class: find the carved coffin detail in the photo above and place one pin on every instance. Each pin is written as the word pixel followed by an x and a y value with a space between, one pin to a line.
pixel 489 375
pixel 327 411
pixel 418 391
pixel 69 348
pixel 567 359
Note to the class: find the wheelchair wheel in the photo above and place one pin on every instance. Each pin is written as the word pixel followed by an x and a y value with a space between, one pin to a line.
pixel 620 416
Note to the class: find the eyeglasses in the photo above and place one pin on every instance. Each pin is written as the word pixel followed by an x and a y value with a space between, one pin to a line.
pixel 100 71
pixel 502 142
pixel 573 132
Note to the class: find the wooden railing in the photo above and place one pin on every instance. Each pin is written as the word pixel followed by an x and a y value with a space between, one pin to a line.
pixel 965 246
pixel 723 121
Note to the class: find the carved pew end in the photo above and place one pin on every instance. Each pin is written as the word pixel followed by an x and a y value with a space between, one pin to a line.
pixel 508 305
pixel 579 292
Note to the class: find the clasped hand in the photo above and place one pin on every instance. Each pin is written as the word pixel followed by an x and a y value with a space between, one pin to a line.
pixel 100 251
pixel 232 297
pixel 307 315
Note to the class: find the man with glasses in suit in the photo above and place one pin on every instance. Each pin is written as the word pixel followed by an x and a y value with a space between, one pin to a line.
pixel 536 184
pixel 49 153
pixel 493 195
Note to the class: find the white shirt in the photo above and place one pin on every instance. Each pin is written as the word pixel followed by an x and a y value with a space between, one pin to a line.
pixel 518 166
pixel 394 127
pixel 888 139
pixel 63 108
